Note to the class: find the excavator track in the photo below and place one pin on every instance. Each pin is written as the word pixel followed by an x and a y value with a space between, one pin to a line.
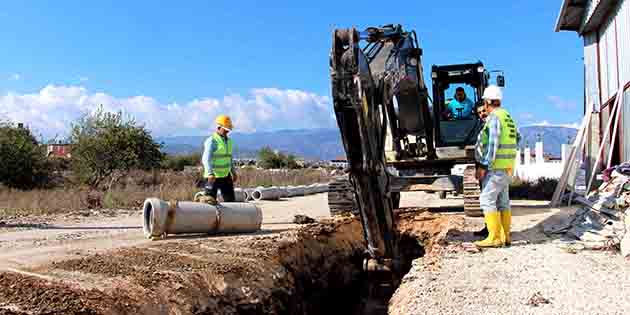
pixel 472 190
pixel 341 199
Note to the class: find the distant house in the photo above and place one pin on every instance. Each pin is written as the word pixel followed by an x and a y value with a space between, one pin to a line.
pixel 339 162
pixel 59 150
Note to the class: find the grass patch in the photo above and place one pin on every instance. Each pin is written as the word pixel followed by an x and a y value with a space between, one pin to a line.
pixel 131 191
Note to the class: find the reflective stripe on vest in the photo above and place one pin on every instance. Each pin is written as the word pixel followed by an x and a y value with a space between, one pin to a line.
pixel 506 152
pixel 222 156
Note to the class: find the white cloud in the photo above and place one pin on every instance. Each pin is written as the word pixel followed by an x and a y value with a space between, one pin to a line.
pixel 562 104
pixel 83 79
pixel 52 110
pixel 15 77
pixel 546 123
pixel 527 116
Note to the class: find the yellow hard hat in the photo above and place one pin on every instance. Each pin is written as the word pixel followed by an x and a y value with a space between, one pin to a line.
pixel 224 121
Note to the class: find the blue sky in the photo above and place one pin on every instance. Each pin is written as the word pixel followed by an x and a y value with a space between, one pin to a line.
pixel 175 66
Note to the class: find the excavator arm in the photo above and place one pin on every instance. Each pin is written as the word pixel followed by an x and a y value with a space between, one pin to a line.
pixel 361 116
pixel 377 86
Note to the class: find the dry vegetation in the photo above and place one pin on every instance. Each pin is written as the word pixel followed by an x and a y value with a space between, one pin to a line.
pixel 133 189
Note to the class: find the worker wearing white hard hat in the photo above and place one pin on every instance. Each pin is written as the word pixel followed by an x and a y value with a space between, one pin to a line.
pixel 496 153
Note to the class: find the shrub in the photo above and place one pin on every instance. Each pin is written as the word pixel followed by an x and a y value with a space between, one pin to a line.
pixel 22 160
pixel 108 145
pixel 270 159
pixel 179 162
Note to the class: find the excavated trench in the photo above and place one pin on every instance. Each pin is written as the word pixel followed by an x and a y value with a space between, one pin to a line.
pixel 314 270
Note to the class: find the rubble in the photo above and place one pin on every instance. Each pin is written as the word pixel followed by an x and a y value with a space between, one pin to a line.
pixel 603 221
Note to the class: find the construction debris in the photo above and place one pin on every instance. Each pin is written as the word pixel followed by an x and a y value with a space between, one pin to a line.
pixel 537 299
pixel 302 219
pixel 604 220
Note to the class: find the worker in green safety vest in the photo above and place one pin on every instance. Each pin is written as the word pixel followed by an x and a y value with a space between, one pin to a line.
pixel 217 161
pixel 496 153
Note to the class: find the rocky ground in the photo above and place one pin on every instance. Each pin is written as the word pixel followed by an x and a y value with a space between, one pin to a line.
pixel 100 263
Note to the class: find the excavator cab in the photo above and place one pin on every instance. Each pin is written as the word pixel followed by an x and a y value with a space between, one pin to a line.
pixel 457 92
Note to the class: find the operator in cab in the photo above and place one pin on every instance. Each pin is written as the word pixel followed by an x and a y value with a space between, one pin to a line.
pixel 496 153
pixel 217 161
pixel 460 107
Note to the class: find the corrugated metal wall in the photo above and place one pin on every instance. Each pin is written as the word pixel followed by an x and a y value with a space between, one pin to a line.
pixel 625 133
pixel 607 66
pixel 623 40
pixel 591 83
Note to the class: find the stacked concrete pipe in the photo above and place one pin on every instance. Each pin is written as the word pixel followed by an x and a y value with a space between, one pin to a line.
pixel 271 193
pixel 162 218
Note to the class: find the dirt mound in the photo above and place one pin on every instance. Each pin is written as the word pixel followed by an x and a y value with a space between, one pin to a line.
pixel 37 296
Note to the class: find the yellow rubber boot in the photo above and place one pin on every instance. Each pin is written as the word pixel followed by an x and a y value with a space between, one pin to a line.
pixel 495 231
pixel 506 223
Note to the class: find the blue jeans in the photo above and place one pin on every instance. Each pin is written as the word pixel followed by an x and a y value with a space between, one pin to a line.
pixel 495 193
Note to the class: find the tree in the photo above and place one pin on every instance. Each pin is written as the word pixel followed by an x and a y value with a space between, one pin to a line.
pixel 108 144
pixel 268 158
pixel 180 161
pixel 22 160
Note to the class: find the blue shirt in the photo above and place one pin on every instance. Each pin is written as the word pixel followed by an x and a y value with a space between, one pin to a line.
pixel 486 154
pixel 461 110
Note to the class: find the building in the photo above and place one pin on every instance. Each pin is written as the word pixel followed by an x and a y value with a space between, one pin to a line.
pixel 60 150
pixel 604 26
pixel 339 162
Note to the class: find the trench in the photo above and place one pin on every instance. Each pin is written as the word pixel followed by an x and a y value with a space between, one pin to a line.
pixel 314 270
pixel 340 296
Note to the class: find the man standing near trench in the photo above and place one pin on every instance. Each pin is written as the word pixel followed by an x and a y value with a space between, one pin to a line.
pixel 496 151
pixel 217 161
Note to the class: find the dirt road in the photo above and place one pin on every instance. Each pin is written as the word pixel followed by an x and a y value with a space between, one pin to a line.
pixel 27 242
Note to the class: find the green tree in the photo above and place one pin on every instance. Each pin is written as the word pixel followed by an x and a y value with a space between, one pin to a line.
pixel 107 145
pixel 22 160
pixel 268 158
pixel 180 161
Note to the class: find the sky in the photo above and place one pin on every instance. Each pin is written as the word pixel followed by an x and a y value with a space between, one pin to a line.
pixel 174 67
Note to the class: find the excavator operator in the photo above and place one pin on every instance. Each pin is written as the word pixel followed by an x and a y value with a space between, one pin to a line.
pixel 461 107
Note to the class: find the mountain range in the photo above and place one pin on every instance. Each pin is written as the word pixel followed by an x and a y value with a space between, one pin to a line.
pixel 325 144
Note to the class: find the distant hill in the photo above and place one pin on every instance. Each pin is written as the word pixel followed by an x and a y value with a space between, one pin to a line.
pixel 319 144
pixel 552 136
pixel 325 144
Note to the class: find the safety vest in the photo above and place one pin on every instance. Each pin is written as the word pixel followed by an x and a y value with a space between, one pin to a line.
pixel 222 156
pixel 506 153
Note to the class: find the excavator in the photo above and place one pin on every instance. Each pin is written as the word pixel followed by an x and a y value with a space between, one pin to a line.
pixel 396 136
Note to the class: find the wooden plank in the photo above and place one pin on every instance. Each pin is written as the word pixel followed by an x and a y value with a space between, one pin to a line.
pixel 614 134
pixel 568 166
pixel 602 145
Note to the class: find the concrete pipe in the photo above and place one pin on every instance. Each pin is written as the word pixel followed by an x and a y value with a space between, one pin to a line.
pixel 296 191
pixel 248 194
pixel 284 192
pixel 270 193
pixel 322 188
pixel 162 218
pixel 240 195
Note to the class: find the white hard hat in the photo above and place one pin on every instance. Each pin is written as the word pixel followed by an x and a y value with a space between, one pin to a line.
pixel 492 92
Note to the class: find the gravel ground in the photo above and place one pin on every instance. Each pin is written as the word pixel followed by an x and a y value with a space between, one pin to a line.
pixel 517 280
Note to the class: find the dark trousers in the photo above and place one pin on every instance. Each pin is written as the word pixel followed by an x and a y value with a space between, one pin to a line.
pixel 225 185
